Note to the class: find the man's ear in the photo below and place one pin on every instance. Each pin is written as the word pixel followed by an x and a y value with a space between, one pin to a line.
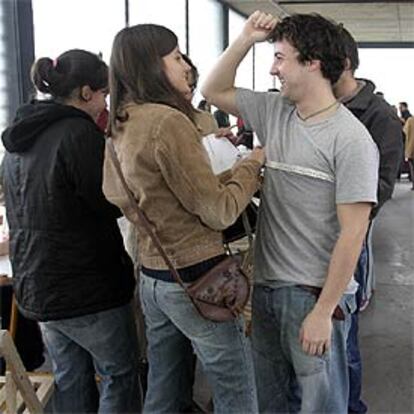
pixel 314 64
pixel 348 65
pixel 85 93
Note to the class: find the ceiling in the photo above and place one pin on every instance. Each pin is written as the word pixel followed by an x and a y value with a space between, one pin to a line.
pixel 372 23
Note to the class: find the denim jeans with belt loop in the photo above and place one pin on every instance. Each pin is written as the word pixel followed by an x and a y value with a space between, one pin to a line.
pixel 104 343
pixel 289 380
pixel 221 347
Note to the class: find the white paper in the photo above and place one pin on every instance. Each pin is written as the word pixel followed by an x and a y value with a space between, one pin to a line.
pixel 223 154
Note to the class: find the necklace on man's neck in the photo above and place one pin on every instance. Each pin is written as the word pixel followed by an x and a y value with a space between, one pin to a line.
pixel 320 111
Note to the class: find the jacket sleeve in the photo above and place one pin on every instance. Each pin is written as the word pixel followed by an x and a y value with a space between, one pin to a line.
pixel 183 163
pixel 84 156
pixel 387 134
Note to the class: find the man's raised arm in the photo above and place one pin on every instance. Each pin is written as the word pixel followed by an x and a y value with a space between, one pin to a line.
pixel 219 88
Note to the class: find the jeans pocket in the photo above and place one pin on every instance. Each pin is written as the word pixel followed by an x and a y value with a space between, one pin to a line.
pixel 348 304
pixel 186 316
pixel 306 364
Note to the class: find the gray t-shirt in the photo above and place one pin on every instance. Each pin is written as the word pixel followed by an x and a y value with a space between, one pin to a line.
pixel 310 168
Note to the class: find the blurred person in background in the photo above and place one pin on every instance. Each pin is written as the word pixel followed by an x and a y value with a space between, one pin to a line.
pixel 409 146
pixel 404 111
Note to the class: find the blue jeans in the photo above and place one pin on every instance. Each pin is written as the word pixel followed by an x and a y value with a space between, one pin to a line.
pixel 355 403
pixel 104 343
pixel 222 349
pixel 289 380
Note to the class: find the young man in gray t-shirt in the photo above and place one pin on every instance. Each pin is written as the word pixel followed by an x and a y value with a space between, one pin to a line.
pixel 319 188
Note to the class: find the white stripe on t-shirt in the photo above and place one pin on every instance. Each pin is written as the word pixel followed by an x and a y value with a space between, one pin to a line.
pixel 309 172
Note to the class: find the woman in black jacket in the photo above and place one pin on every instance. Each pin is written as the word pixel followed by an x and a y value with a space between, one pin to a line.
pixel 71 272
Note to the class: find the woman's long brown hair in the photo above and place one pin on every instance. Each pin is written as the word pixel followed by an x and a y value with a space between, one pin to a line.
pixel 136 72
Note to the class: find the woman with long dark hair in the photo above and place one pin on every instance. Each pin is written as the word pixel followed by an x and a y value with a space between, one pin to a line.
pixel 70 269
pixel 156 137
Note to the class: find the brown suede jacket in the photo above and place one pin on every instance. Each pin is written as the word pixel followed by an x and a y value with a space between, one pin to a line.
pixel 169 172
pixel 409 138
pixel 206 123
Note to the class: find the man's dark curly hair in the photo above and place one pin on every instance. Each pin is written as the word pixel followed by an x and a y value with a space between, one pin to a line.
pixel 315 38
pixel 351 49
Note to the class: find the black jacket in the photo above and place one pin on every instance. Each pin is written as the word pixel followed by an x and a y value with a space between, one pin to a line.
pixel 385 128
pixel 66 249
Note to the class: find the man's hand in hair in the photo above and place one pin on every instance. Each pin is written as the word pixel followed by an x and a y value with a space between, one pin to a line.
pixel 259 26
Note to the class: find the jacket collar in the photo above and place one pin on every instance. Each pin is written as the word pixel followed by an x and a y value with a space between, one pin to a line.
pixel 362 97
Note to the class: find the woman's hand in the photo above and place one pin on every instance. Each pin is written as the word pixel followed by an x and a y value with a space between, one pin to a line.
pixel 226 133
pixel 258 154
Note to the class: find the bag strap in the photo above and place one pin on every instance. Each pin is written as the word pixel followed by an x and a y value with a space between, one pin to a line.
pixel 141 216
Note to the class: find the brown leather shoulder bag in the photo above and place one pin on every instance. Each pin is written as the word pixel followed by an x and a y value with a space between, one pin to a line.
pixel 220 294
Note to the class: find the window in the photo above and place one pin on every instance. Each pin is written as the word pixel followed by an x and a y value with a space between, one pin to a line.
pixel 64 25
pixel 244 77
pixel 391 70
pixel 263 62
pixel 206 40
pixel 168 13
